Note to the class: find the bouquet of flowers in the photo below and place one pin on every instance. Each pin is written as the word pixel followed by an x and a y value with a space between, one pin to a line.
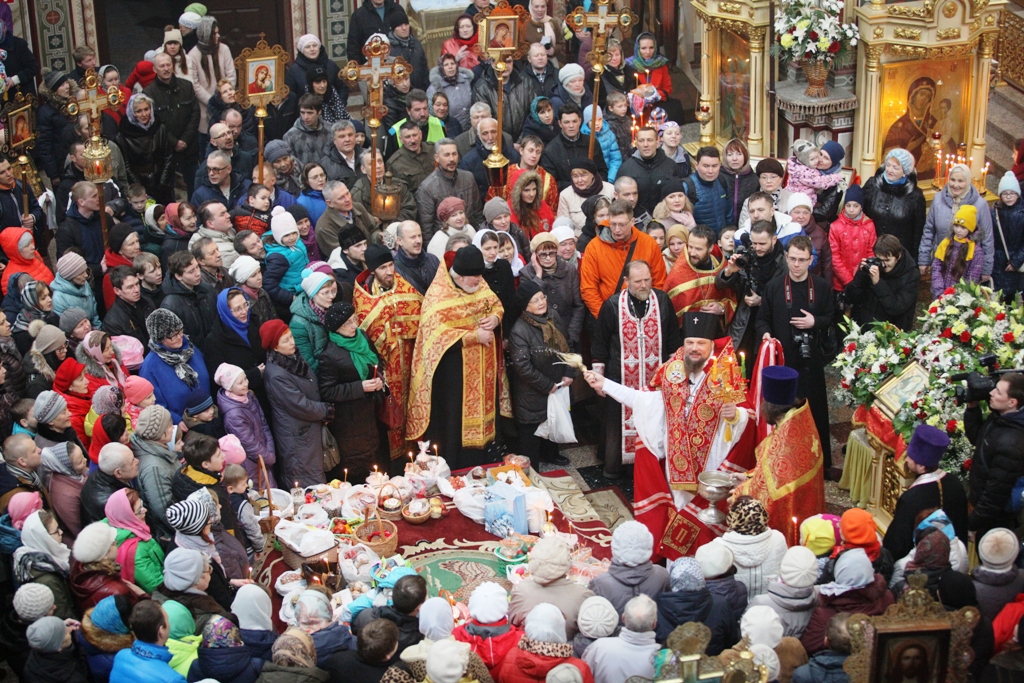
pixel 812 31
pixel 869 356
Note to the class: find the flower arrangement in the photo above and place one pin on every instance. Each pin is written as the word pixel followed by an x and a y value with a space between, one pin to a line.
pixel 812 31
pixel 962 325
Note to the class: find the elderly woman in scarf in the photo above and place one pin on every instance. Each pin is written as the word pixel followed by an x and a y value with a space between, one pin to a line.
pixel 64 470
pixel 313 615
pixel 139 554
pixel 436 625
pixel 932 557
pixel 43 558
pixel 188 578
pixel 690 600
pixel 223 656
pixel 293 659
pixel 73 386
pixel 857 589
pixel 148 149
pixel 933 519
pixel 176 367
pixel 543 647
pixel 102 361
pixel 253 608
pixel 36 305
pixel 586 183
pixel 757 550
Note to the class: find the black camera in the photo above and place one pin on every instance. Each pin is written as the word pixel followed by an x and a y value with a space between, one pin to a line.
pixel 804 339
pixel 744 254
pixel 872 261
pixel 978 385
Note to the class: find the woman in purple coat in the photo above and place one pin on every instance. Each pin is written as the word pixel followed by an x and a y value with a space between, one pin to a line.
pixel 244 418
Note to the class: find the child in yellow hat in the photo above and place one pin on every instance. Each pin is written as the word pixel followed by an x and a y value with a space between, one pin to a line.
pixel 958 257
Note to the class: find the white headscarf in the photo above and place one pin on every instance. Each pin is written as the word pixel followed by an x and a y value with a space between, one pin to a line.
pixel 436 619
pixel 252 607
pixel 853 571
pixel 35 538
pixel 545 623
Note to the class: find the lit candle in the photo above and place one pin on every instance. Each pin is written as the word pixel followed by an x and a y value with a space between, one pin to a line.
pixel 796 531
pixel 346 474
pixel 410 456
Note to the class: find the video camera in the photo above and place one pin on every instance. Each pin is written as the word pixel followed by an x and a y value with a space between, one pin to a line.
pixel 744 258
pixel 979 385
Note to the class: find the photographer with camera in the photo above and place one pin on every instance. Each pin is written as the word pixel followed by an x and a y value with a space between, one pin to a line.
pixel 998 451
pixel 885 287
pixel 757 259
pixel 795 309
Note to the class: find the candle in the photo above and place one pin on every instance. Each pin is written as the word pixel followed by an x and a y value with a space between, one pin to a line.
pixel 374 372
pixel 796 531
pixel 743 363
pixel 346 474
pixel 410 456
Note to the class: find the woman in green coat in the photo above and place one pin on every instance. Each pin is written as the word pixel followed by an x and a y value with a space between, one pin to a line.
pixel 140 556
pixel 308 311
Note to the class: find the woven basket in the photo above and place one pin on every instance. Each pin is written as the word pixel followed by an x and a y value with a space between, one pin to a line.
pixel 816 73
pixel 384 547
pixel 415 519
pixel 294 560
pixel 389 514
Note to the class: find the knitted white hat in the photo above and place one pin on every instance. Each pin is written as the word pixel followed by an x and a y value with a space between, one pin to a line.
pixel 93 542
pixel 998 549
pixel 632 544
pixel 714 558
pixel 282 223
pixel 799 567
pixel 33 601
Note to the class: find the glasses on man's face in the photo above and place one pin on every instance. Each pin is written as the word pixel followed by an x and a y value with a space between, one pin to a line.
pixel 216 169
pixel 796 260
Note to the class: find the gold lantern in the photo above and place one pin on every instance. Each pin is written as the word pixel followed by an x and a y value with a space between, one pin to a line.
pixel 387 201
pixel 98 170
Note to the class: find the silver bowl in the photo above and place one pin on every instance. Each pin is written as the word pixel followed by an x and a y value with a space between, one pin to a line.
pixel 713 487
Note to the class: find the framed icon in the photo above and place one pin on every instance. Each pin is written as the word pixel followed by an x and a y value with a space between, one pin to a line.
pixel 263 68
pixel 502 31
pixel 19 124
pixel 903 388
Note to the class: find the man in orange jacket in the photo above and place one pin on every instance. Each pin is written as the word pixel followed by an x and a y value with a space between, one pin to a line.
pixel 603 266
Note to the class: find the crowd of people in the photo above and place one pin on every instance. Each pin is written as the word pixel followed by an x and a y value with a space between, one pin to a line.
pixel 228 326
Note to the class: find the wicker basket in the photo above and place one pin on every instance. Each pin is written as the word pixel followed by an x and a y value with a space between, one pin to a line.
pixel 415 519
pixel 294 560
pixel 384 547
pixel 817 74
pixel 389 514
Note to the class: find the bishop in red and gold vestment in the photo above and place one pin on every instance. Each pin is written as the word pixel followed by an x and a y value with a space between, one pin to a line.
pixel 684 424
pixel 458 380
pixel 788 477
pixel 389 310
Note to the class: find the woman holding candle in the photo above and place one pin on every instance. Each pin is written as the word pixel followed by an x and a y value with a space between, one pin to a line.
pixel 351 375
pixel 652 70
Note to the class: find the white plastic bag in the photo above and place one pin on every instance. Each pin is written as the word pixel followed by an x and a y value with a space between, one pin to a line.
pixel 357 562
pixel 470 502
pixel 538 505
pixel 558 427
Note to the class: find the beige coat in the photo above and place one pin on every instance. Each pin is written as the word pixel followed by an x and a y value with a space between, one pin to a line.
pixel 206 86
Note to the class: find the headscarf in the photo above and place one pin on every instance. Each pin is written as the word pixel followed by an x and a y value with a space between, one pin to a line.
pixel 596 185
pixel 92 346
pixel 174 226
pixel 436 619
pixel 747 517
pixel 130 113
pixel 937 520
pixel 859 531
pixel 219 632
pixel 179 619
pixel 641 64
pixel 120 515
pixel 24 504
pixel 546 624
pixel 56 460
pixel 29 308
pixel 686 575
pixel 312 604
pixel 228 318
pixel 533 109
pixel 931 552
pixel 293 649
pixel 253 608
pixel 106 616
pixel 853 571
pixel 454 80
pixel 36 539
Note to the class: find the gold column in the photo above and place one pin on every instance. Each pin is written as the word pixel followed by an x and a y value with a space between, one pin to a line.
pixel 755 139
pixel 868 93
pixel 979 100
pixel 708 78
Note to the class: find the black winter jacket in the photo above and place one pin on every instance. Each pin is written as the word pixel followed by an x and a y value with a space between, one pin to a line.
pixel 650 175
pixel 129 319
pixel 474 163
pixel 177 107
pixel 893 299
pixel 51 125
pixel 896 209
pixel 98 488
pixel 412 51
pixel 295 77
pixel 363 23
pixel 148 157
pixel 536 370
pixel 606 347
pixel 560 152
pixel 998 463
pixel 20 62
pixel 562 288
pixel 225 346
pixel 517 98
pixel 545 89
pixel 676 608
pixel 355 421
pixel 196 307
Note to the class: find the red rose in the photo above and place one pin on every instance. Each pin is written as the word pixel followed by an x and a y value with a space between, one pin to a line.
pixel 933 310
pixel 845 384
pixel 792 30
pixel 979 347
pixel 921 415
pixel 967 463
pixel 1001 316
pixel 965 336
pixel 977 312
pixel 813 35
pixel 883 368
pixel 949 290
pixel 834 47
pixel 851 347
pixel 1008 337
pixel 906 350
pixel 808 54
pixel 951 426
pixel 947 333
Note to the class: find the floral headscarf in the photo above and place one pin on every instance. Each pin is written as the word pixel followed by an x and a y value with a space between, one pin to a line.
pixel 294 649
pixel 219 632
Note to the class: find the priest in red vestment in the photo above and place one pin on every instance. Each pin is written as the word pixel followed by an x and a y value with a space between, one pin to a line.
pixel 691 283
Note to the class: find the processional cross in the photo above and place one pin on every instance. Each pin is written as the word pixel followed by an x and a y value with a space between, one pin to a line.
pixel 377 68
pixel 602 20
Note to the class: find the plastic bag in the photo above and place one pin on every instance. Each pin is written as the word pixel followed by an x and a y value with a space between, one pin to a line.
pixel 470 502
pixel 558 427
pixel 538 505
pixel 357 563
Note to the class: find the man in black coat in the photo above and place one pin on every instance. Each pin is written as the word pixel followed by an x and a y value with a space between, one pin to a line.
pixel 801 303
pixel 933 488
pixel 20 63
pixel 998 455
pixel 568 145
pixel 118 468
pixel 11 205
pixel 651 170
pixel 405 44
pixel 366 21
pixel 188 297
pixel 606 348
pixel 888 293
pixel 176 106
pixel 538 71
pixel 129 311
pixel 74 173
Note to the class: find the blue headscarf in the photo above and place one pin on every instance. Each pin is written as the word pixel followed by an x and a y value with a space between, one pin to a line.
pixel 106 616
pixel 641 64
pixel 228 318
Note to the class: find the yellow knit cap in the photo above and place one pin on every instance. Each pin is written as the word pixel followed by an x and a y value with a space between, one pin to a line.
pixel 967 216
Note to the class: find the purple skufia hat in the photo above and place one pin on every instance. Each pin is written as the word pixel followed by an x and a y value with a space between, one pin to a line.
pixel 928 445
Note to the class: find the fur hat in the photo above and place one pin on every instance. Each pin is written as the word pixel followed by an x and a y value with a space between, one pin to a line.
pixel 243 268
pixel 48 338
pixel 997 550
pixel 769 165
pixel 597 617
pixel 632 543
pixel 282 224
pixel 468 261
pixel 163 324
pixel 1009 183
pixel 93 542
pixel 153 422
pixel 799 567
pixel 46 635
pixel 271 333
pixel 71 265
pixel 715 558
pixel 226 375
pixel 48 405
pixel 349 237
pixel 33 601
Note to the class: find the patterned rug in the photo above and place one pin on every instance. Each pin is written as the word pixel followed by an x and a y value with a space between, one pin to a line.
pixel 610 505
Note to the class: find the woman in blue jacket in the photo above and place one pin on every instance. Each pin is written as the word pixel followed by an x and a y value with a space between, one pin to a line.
pixel 175 367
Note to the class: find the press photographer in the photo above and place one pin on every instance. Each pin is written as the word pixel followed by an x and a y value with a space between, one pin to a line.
pixel 796 309
pixel 885 287
pixel 998 450
pixel 757 259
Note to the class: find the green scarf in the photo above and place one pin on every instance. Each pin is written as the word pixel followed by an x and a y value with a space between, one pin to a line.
pixel 363 355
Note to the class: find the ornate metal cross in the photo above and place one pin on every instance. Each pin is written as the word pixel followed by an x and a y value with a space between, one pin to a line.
pixel 94 100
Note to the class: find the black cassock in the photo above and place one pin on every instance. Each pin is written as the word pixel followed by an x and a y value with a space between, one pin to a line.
pixel 946 493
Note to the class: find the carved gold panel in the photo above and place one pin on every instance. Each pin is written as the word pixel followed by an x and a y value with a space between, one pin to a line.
pixel 948 33
pixel 907 33
pixel 949 10
pixel 730 7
